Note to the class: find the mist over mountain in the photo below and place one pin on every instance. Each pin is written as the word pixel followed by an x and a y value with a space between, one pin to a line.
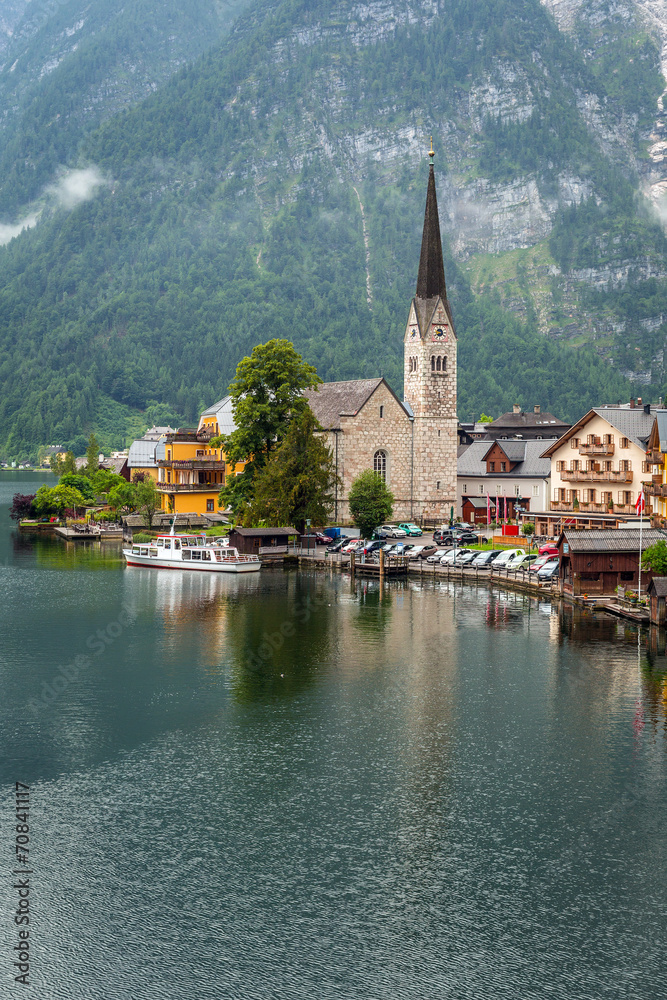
pixel 274 186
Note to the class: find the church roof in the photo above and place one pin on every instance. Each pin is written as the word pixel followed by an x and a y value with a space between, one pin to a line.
pixel 332 400
pixel 431 277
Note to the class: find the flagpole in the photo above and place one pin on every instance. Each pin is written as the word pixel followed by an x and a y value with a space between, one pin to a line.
pixel 641 525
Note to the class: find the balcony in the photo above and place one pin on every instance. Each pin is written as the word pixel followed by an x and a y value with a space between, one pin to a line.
pixel 592 508
pixel 203 462
pixel 656 489
pixel 189 487
pixel 587 476
pixel 597 448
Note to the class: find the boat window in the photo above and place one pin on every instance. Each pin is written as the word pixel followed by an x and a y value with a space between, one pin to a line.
pixel 201 541
pixel 143 552
pixel 167 543
pixel 135 550
pixel 152 552
pixel 196 555
pixel 186 554
pixel 185 542
pixel 160 543
pixel 206 555
pixel 177 544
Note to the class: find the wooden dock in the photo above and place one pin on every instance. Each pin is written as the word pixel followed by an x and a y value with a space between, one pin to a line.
pixel 70 535
pixel 640 616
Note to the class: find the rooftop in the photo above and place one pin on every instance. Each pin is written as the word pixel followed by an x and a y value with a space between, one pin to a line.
pixel 527 455
pixel 610 539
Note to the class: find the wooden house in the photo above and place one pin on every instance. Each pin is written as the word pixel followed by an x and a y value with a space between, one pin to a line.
pixel 657 593
pixel 263 541
pixel 598 561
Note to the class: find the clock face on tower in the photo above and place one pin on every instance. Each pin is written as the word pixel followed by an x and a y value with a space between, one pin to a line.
pixel 413 333
pixel 439 333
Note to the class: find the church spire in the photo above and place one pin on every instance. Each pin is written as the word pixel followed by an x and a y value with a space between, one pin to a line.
pixel 431 278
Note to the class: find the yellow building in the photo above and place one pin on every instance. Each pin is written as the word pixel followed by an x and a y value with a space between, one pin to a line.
pixel 190 472
pixel 656 455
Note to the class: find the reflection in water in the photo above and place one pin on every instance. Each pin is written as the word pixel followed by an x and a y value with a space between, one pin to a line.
pixel 277 645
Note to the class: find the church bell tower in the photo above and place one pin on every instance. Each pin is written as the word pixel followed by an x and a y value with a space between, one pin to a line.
pixel 430 372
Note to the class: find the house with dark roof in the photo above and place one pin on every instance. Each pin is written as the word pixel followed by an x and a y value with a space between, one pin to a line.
pixel 599 466
pixel 527 425
pixel 599 561
pixel 512 473
pixel 410 443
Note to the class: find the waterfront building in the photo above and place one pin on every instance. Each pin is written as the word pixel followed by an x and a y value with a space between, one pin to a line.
pixel 513 469
pixel 597 562
pixel 191 472
pixel 656 459
pixel 599 467
pixel 410 443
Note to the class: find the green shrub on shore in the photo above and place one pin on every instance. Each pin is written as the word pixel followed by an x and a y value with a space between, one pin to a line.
pixel 142 537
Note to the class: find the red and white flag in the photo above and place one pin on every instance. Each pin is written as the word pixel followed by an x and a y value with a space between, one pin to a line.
pixel 488 509
pixel 505 508
pixel 641 503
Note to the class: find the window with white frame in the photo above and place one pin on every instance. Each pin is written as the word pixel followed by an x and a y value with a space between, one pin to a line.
pixel 380 464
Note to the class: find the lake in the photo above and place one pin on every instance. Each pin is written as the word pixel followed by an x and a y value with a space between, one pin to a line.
pixel 290 785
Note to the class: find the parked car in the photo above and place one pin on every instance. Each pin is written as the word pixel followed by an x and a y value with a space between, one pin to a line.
pixel 440 533
pixel 548 549
pixel 337 546
pixel 449 557
pixel 411 529
pixel 323 539
pixel 350 544
pixel 466 558
pixel 393 531
pixel 548 572
pixel 436 556
pixel 483 559
pixel 373 546
pixel 423 551
pixel 458 538
pixel 541 561
pixel 521 561
pixel 505 556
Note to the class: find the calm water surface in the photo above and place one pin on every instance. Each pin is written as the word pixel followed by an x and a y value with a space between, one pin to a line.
pixel 291 786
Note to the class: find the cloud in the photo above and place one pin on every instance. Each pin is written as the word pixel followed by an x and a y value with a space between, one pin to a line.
pixel 71 189
pixel 76 186
pixel 8 232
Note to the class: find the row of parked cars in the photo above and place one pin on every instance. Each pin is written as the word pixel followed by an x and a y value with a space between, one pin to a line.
pixel 543 563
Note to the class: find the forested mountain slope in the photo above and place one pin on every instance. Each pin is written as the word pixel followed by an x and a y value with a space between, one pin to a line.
pixel 276 188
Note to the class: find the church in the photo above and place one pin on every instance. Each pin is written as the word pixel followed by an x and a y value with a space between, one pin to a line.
pixel 411 443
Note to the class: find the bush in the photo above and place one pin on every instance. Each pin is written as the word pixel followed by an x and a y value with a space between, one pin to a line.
pixel 142 537
pixel 219 531
pixel 528 528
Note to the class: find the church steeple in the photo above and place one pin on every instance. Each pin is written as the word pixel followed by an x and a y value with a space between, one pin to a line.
pixel 431 277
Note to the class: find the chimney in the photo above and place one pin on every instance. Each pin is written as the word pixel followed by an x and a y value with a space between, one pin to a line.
pixel 632 403
pixel 516 408
pixel 647 409
pixel 639 400
pixel 536 408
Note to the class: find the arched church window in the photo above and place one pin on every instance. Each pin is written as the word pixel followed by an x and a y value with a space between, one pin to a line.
pixel 380 464
pixel 438 364
pixel 433 362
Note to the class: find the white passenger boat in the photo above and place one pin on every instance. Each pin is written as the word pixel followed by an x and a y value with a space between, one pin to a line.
pixel 208 555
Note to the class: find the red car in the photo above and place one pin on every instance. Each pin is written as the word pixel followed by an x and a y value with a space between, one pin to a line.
pixel 549 549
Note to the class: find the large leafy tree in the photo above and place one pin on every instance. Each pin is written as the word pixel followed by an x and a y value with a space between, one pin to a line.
pixel 79 482
pixel 148 500
pixel 22 506
pixel 296 483
pixel 58 498
pixel 371 501
pixel 123 497
pixel 655 558
pixel 92 455
pixel 267 392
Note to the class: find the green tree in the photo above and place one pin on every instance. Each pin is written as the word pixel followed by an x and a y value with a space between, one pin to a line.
pixel 267 391
pixel 79 482
pixel 371 501
pixel 57 498
pixel 148 500
pixel 92 455
pixel 61 466
pixel 105 480
pixel 654 558
pixel 483 419
pixel 528 528
pixel 296 483
pixel 123 497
